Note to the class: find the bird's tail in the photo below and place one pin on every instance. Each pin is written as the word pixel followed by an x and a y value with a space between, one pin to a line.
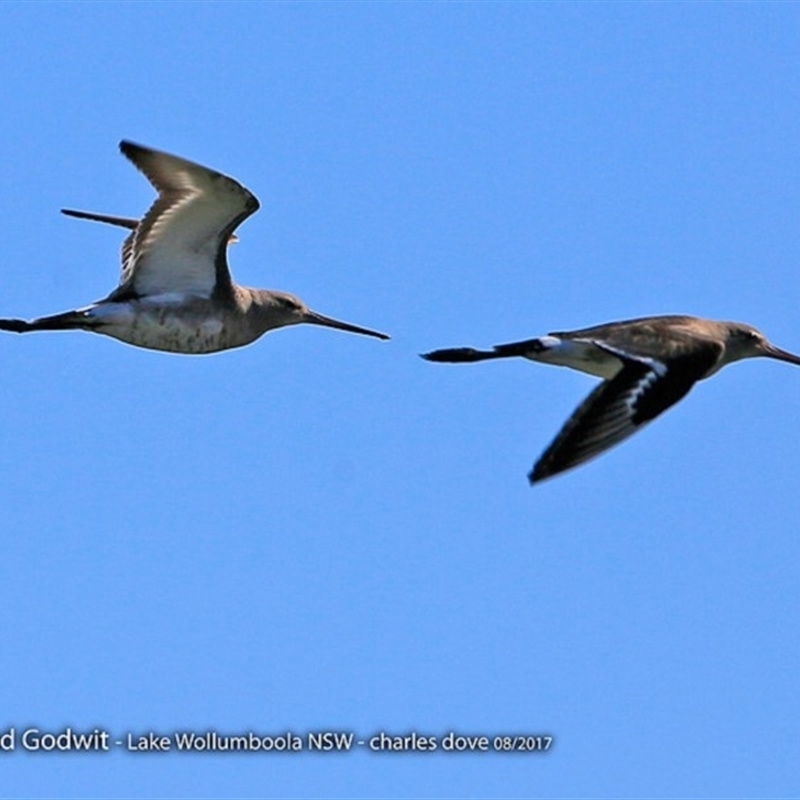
pixel 69 320
pixel 463 355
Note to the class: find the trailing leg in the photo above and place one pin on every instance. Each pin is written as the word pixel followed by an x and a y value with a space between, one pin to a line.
pixel 69 320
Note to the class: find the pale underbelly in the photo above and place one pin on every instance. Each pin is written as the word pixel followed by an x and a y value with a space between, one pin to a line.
pixel 577 354
pixel 168 329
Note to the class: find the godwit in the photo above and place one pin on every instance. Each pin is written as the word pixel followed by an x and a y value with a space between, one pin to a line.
pixel 176 292
pixel 648 364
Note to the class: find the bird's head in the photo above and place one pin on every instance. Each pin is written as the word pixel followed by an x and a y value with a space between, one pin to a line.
pixel 745 341
pixel 280 309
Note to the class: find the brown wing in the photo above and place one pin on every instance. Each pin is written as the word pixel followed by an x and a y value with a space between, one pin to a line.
pixel 622 405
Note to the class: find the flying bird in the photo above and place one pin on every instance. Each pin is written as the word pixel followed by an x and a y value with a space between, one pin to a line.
pixel 176 292
pixel 647 365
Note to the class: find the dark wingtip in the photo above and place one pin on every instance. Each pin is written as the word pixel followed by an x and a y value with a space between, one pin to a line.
pixel 535 476
pixel 131 150
pixel 545 469
pixel 110 219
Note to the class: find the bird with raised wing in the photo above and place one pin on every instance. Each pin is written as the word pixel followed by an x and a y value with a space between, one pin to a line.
pixel 647 364
pixel 176 292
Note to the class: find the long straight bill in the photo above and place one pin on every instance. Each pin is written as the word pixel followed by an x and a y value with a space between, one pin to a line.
pixel 775 352
pixel 329 322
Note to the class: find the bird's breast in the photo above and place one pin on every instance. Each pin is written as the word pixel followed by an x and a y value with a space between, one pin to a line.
pixel 194 326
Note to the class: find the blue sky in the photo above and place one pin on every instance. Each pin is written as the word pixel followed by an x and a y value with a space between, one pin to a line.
pixel 322 531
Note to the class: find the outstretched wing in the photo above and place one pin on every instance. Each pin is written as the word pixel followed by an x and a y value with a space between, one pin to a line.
pixel 180 244
pixel 131 223
pixel 622 405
